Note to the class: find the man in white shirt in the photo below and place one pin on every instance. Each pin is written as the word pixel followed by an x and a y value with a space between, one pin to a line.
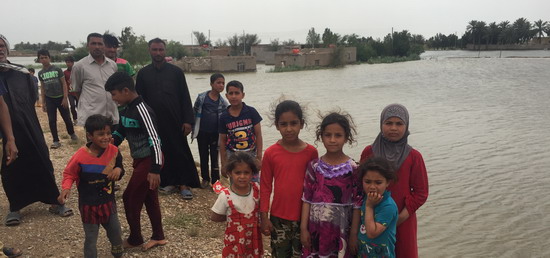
pixel 88 79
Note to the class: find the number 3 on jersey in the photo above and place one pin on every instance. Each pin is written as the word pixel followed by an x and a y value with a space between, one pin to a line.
pixel 241 137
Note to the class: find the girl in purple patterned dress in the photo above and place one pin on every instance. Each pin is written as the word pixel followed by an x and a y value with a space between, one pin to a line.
pixel 330 192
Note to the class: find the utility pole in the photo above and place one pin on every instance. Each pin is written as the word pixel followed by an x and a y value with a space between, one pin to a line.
pixel 209 42
pixel 244 44
pixel 392 41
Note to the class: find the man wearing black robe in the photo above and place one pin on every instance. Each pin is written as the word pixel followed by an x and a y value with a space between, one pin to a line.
pixel 163 87
pixel 30 177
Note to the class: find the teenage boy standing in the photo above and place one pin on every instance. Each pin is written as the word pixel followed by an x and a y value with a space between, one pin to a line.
pixel 54 96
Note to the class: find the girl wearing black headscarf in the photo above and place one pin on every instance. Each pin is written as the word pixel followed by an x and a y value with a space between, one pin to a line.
pixel 411 189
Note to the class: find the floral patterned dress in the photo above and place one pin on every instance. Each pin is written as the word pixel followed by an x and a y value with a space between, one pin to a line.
pixel 331 190
pixel 242 234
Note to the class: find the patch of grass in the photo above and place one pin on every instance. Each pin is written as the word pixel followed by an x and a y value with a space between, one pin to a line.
pixel 294 68
pixel 393 59
pixel 187 221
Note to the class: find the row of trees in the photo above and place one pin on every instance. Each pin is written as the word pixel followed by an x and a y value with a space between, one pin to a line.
pixel 478 33
pixel 400 44
pixel 50 45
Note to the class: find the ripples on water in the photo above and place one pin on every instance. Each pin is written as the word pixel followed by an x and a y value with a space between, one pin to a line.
pixel 481 124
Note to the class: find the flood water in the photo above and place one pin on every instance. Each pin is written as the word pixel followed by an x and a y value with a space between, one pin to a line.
pixel 482 125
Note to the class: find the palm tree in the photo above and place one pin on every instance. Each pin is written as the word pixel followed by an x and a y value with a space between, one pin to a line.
pixel 539 28
pixel 471 28
pixel 506 33
pixel 522 29
pixel 481 31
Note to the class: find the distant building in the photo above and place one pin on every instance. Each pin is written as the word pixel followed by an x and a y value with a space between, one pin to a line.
pixel 217 64
pixel 310 57
pixel 265 53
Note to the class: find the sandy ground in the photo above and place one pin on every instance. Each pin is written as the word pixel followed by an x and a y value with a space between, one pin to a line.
pixel 187 227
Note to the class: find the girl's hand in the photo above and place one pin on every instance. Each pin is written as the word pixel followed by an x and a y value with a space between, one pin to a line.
pixel 403 215
pixel 305 238
pixel 353 248
pixel 266 227
pixel 224 172
pixel 373 199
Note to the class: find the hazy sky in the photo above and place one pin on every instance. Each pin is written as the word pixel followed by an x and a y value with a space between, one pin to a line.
pixel 59 20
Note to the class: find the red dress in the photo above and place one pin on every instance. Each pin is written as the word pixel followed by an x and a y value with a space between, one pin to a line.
pixel 242 234
pixel 410 191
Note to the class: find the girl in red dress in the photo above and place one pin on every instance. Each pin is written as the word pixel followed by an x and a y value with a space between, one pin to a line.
pixel 239 205
pixel 411 191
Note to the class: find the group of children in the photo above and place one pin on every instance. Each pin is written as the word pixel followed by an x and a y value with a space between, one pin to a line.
pixel 310 206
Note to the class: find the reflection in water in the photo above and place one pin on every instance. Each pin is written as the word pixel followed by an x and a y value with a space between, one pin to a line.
pixel 481 124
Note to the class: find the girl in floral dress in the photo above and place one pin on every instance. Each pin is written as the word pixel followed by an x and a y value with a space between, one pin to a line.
pixel 239 206
pixel 330 192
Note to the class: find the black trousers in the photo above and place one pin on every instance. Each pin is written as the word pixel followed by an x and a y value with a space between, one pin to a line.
pixel 208 149
pixel 52 105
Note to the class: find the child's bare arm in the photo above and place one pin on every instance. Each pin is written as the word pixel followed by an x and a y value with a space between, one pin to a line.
pixel 223 154
pixel 63 196
pixel 304 232
pixel 265 224
pixel 259 141
pixel 374 229
pixel 355 224
pixel 217 217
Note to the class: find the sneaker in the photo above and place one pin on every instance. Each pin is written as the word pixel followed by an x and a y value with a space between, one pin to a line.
pixel 55 145
pixel 74 137
pixel 74 122
pixel 205 184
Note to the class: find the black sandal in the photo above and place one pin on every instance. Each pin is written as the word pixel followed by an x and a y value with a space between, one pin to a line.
pixel 11 252
pixel 13 218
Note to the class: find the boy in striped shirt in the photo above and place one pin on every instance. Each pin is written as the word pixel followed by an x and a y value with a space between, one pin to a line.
pixel 138 125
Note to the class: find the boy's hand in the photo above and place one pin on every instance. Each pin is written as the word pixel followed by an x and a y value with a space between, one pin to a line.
pixel 114 175
pixel 154 180
pixel 65 103
pixel 373 199
pixel 63 196
pixel 186 128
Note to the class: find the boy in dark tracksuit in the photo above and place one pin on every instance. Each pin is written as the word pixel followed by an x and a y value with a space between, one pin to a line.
pixel 138 126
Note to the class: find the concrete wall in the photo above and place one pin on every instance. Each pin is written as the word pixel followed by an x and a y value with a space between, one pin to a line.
pixel 314 57
pixel 217 64
pixel 510 47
